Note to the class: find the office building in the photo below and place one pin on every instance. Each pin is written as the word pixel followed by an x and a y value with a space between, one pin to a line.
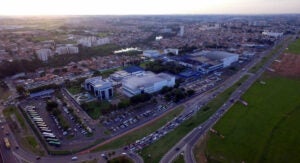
pixel 146 83
pixel 100 88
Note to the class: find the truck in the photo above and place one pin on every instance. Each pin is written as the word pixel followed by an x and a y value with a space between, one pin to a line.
pixel 6 142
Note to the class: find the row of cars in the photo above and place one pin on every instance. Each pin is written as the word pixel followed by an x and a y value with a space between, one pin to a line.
pixel 78 127
pixel 124 123
pixel 201 86
pixel 147 140
pixel 48 135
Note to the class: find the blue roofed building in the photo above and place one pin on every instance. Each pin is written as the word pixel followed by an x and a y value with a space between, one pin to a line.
pixel 134 70
pixel 42 94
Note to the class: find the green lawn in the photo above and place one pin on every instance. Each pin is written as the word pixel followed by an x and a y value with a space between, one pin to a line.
pixel 13 110
pixel 75 89
pixel 90 161
pixel 163 145
pixel 4 93
pixel 107 73
pixel 294 47
pixel 264 131
pixel 29 142
pixel 121 159
pixel 94 108
pixel 139 133
pixel 179 159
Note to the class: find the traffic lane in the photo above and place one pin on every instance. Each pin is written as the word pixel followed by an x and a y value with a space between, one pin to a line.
pixel 7 155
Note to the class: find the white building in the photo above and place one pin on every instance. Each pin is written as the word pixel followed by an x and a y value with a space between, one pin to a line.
pixel 43 54
pixel 151 53
pixel 119 75
pixel 146 83
pixel 272 34
pixel 226 58
pixel 66 49
pixel 93 41
pixel 181 31
pixel 102 89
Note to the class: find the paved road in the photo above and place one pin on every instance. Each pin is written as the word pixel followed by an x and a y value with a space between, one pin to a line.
pixel 188 142
pixel 6 154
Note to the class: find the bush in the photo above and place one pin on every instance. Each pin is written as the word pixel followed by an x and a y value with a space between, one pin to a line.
pixel 165 89
pixel 51 105
pixel 124 104
pixel 140 98
pixel 190 92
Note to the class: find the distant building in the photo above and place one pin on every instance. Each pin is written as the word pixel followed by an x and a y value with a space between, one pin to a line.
pixel 66 49
pixel 272 34
pixel 119 75
pixel 181 31
pixel 151 53
pixel 42 94
pixel 226 58
pixel 93 41
pixel 146 83
pixel 134 70
pixel 157 38
pixel 207 61
pixel 102 89
pixel 170 50
pixel 43 54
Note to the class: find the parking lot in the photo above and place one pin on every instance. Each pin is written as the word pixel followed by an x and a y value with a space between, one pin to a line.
pixel 120 121
pixel 202 85
pixel 64 127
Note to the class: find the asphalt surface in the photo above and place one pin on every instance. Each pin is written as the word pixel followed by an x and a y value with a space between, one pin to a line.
pixel 185 146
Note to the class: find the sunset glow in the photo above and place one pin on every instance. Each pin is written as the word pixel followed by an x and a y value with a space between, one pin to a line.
pixel 121 7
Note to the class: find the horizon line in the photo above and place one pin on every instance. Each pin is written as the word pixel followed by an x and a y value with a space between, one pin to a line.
pixel 171 14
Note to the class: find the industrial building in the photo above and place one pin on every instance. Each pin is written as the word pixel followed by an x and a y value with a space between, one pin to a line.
pixel 102 89
pixel 151 53
pixel 207 61
pixel 134 70
pixel 119 75
pixel 147 82
pixel 225 57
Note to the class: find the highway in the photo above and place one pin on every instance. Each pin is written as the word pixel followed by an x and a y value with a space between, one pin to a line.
pixel 187 144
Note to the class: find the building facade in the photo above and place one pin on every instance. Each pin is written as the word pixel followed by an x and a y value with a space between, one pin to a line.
pixel 146 83
pixel 100 88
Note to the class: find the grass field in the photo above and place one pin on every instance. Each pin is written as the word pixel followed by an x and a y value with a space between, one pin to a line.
pixel 75 89
pixel 139 133
pixel 163 145
pixel 29 142
pixel 179 159
pixel 27 139
pixel 93 109
pixel 4 94
pixel 294 48
pixel 13 110
pixel 121 159
pixel 91 161
pixel 264 131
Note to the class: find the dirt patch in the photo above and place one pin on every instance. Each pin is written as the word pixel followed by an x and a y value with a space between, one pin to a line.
pixel 199 150
pixel 288 65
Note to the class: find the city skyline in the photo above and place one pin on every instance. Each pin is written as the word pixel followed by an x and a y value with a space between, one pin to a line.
pixel 147 7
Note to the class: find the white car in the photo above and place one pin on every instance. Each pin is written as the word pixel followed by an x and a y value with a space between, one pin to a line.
pixel 74 158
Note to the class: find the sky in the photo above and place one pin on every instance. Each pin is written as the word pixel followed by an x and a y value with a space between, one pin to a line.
pixel 140 7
